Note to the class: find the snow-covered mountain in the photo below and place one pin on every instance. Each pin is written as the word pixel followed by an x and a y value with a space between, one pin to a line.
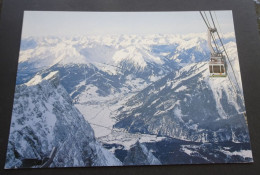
pixel 151 55
pixel 187 105
pixel 137 92
pixel 111 68
pixel 43 119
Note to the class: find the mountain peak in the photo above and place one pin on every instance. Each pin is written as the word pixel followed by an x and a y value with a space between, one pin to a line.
pixel 52 77
pixel 145 157
pixel 44 119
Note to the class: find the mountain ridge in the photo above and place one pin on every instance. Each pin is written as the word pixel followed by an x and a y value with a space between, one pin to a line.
pixel 44 118
pixel 172 99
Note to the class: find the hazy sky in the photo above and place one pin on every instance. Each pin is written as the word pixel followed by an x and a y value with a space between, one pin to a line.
pixel 43 23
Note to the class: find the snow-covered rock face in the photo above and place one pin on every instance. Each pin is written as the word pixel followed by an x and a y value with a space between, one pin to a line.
pixel 44 118
pixel 187 105
pixel 140 155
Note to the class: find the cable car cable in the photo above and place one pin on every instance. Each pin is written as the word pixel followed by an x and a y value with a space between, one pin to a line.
pixel 204 20
pixel 207 19
pixel 235 89
pixel 228 60
pixel 226 54
pixel 209 27
pixel 213 36
pixel 218 36
pixel 218 25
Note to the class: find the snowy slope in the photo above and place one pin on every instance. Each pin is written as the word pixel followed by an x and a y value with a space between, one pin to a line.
pixel 44 118
pixel 188 105
pixel 140 155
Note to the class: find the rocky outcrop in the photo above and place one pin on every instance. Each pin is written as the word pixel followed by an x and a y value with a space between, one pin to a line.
pixel 140 155
pixel 44 118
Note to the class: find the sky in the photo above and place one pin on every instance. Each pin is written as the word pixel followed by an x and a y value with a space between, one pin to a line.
pixel 61 23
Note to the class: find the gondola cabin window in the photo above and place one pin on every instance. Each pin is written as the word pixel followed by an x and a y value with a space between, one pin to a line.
pixel 216 69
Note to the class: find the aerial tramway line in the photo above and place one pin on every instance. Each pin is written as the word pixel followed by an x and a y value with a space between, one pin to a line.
pixel 217 64
pixel 218 61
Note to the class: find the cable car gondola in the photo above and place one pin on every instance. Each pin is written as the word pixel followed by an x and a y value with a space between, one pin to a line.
pixel 217 66
pixel 217 63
